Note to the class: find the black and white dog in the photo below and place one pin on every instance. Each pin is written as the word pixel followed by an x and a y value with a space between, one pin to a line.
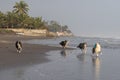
pixel 96 49
pixel 83 47
pixel 64 43
pixel 18 46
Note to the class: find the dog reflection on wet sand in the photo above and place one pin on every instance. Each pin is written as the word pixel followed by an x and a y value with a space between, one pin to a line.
pixel 63 53
pixel 96 66
pixel 81 57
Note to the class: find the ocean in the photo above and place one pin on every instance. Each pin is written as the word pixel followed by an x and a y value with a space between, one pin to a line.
pixel 73 65
pixel 74 41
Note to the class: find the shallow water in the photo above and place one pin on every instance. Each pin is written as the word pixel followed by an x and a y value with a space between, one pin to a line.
pixel 71 65
pixel 74 41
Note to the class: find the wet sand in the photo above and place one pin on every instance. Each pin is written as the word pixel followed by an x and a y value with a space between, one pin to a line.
pixel 41 62
pixel 31 54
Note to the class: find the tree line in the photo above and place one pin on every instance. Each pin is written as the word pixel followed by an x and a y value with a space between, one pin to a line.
pixel 19 18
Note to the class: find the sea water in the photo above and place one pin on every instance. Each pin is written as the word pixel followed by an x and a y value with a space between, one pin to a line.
pixel 72 64
pixel 74 41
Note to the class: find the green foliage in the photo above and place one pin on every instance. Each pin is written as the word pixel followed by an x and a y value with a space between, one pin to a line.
pixel 19 18
pixel 54 26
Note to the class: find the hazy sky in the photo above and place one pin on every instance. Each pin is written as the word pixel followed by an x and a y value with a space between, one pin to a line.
pixel 84 17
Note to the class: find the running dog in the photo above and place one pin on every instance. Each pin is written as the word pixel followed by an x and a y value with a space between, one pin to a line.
pixel 83 47
pixel 18 46
pixel 96 49
pixel 64 43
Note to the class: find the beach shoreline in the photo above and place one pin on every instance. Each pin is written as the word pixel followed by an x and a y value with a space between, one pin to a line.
pixel 31 54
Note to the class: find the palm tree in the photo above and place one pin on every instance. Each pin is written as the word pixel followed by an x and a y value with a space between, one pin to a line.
pixel 27 22
pixel 21 8
pixel 38 22
pixel 10 19
pixel 2 19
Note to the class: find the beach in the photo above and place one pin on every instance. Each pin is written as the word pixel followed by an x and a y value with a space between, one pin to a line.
pixel 31 54
pixel 43 59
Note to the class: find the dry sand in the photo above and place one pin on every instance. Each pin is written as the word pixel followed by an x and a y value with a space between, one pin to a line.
pixel 31 54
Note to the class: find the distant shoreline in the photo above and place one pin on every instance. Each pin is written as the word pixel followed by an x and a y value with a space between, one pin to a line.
pixel 33 32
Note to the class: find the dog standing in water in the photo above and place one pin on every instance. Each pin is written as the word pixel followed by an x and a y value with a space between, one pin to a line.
pixel 64 43
pixel 96 49
pixel 18 45
pixel 83 47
